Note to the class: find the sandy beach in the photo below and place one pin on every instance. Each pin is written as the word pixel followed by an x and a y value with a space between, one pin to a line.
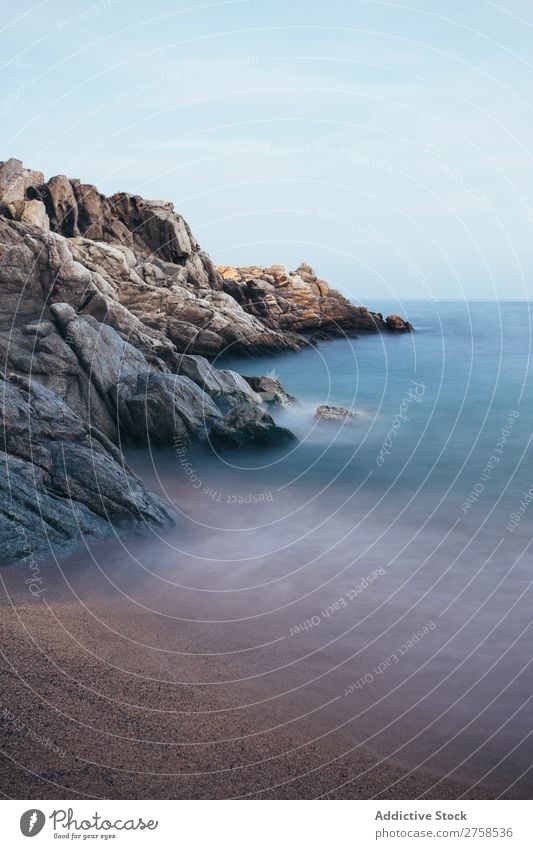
pixel 90 710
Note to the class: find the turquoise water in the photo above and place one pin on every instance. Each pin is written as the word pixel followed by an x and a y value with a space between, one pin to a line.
pixel 470 367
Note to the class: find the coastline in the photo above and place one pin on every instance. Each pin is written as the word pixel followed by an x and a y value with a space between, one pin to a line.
pixel 266 440
pixel 159 607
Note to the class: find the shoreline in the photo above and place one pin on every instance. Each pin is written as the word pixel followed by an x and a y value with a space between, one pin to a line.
pixel 161 738
pixel 155 660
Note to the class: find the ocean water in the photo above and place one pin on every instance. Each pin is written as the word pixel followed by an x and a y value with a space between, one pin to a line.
pixel 375 577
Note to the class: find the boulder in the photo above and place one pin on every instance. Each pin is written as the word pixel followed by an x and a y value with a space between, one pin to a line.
pixel 395 322
pixel 248 425
pixel 61 205
pixel 34 214
pixel 15 180
pixel 326 413
pixel 163 409
pixel 62 480
pixel 108 308
pixel 31 212
pixel 12 187
pixel 102 358
pixel 296 300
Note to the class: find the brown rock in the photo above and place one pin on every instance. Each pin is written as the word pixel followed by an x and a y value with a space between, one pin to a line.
pixel 296 300
pixel 394 322
pixel 34 214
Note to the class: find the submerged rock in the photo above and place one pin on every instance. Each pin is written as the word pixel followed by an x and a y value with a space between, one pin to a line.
pixel 248 424
pixel 270 391
pixel 326 413
pixel 164 409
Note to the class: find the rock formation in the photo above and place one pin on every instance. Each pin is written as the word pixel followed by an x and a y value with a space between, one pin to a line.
pixel 247 424
pixel 109 308
pixel 395 322
pixel 299 301
pixel 62 479
pixel 270 391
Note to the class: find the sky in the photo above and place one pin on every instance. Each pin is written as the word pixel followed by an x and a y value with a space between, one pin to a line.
pixel 389 145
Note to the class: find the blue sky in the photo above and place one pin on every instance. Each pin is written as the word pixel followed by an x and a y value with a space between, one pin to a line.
pixel 389 145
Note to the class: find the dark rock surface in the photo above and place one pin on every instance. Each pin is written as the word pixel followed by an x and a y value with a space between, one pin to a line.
pixel 248 424
pixel 61 480
pixel 299 301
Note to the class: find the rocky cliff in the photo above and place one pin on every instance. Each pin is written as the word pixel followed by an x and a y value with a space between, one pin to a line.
pixel 108 309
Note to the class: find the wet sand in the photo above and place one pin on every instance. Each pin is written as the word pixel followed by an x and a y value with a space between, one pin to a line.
pixel 90 710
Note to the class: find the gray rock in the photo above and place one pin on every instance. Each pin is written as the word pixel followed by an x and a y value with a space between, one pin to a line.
pixel 167 283
pixel 30 212
pixel 34 520
pixel 104 319
pixel 226 387
pixel 61 480
pixel 325 413
pixel 171 286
